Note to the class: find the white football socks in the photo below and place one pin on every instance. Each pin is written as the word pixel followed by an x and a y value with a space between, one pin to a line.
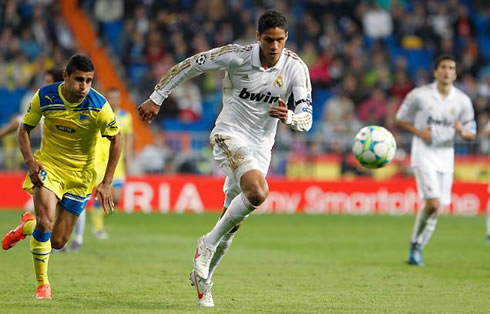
pixel 419 225
pixel 223 247
pixel 430 226
pixel 238 211
pixel 80 228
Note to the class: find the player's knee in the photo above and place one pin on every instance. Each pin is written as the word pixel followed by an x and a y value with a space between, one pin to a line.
pixel 59 242
pixel 432 205
pixel 45 223
pixel 257 193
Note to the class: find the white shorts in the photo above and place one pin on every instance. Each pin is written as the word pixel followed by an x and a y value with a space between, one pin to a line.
pixel 434 184
pixel 236 157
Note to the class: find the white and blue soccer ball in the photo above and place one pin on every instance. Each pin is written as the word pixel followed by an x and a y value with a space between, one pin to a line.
pixel 374 147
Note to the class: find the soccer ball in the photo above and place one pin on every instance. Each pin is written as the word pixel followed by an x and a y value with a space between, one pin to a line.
pixel 374 147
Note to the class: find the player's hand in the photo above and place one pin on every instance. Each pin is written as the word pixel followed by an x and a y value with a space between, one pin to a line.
pixel 458 126
pixel 36 172
pixel 104 196
pixel 280 111
pixel 148 110
pixel 425 135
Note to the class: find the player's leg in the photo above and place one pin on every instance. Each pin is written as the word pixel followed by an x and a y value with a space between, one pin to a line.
pixel 78 232
pixel 435 188
pixel 45 206
pixel 254 191
pixel 223 247
pixel 205 297
pixel 97 217
pixel 65 220
pixel 445 182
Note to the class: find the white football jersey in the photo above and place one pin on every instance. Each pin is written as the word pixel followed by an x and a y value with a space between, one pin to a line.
pixel 249 90
pixel 424 108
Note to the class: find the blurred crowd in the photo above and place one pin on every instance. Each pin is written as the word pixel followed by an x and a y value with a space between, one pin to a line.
pixel 363 56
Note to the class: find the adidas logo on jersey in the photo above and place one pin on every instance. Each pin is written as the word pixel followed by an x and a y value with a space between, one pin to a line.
pixel 258 97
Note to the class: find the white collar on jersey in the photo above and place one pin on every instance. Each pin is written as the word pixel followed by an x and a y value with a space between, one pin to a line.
pixel 256 59
pixel 438 95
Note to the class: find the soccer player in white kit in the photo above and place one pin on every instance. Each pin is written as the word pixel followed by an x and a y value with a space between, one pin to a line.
pixel 434 113
pixel 257 79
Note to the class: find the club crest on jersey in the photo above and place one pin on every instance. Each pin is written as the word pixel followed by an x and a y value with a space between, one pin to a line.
pixel 278 82
pixel 258 97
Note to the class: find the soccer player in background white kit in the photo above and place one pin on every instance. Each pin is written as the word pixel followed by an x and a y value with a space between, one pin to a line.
pixel 257 79
pixel 434 113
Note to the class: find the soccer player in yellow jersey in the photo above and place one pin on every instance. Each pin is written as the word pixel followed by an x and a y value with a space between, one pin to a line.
pixel 126 126
pixel 61 175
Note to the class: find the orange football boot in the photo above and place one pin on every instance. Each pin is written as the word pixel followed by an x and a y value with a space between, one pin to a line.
pixel 12 237
pixel 43 292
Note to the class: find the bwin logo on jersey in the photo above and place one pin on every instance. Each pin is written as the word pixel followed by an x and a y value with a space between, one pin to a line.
pixel 442 122
pixel 244 94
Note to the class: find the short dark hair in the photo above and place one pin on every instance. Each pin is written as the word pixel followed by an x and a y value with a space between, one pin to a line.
pixel 57 74
pixel 79 62
pixel 272 19
pixel 443 57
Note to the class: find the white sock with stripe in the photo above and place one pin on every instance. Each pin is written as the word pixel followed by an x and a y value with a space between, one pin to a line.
pixel 238 211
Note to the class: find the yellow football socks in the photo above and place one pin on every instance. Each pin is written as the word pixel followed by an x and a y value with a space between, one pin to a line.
pixel 98 218
pixel 40 248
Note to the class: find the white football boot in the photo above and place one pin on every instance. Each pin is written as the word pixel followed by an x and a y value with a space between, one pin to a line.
pixel 202 259
pixel 204 296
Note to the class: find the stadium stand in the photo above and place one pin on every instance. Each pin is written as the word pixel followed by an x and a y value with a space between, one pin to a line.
pixel 336 39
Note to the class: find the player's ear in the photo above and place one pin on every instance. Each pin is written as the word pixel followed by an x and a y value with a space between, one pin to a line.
pixel 65 75
pixel 257 35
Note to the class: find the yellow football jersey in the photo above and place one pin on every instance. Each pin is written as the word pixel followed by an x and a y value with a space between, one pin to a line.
pixel 70 130
pixel 125 122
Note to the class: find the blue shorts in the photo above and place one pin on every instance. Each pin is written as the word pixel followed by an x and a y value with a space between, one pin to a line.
pixel 74 204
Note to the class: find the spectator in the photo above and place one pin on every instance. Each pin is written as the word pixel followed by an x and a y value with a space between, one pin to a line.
pixel 372 110
pixel 377 23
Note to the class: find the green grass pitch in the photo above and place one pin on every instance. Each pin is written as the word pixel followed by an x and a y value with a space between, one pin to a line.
pixel 278 263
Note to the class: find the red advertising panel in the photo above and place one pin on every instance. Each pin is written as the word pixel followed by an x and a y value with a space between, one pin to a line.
pixel 198 194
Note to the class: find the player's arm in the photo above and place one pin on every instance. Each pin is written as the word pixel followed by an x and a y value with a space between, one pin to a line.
pixel 213 60
pixel 405 117
pixel 11 126
pixel 466 126
pixel 301 119
pixel 31 119
pixel 109 128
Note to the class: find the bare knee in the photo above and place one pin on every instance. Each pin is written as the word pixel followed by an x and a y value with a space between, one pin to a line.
pixel 59 242
pixel 432 205
pixel 44 223
pixel 257 193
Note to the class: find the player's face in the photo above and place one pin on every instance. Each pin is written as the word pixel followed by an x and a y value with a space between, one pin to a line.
pixel 48 79
pixel 114 98
pixel 271 43
pixel 77 84
pixel 445 72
